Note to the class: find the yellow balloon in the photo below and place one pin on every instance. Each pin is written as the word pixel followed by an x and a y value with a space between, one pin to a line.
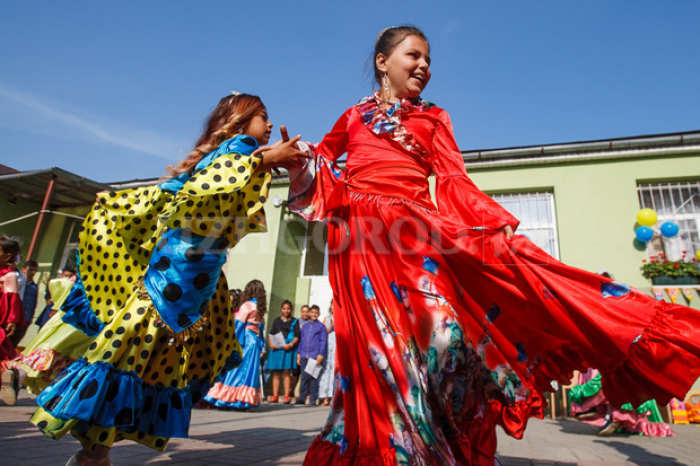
pixel 646 217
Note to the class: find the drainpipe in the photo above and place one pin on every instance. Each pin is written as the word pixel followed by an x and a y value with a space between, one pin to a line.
pixel 40 220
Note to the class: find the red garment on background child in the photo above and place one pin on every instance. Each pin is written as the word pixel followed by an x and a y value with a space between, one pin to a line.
pixel 11 311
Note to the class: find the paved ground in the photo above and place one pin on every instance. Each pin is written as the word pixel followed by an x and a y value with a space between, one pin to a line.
pixel 280 435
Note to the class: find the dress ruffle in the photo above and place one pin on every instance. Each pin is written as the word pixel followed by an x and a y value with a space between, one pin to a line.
pixel 100 394
pixel 223 396
pixel 670 345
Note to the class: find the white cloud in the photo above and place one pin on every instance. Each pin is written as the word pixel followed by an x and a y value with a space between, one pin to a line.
pixel 451 26
pixel 37 113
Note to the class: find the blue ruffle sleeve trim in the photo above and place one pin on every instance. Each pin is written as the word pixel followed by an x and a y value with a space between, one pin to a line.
pixel 101 394
pixel 79 313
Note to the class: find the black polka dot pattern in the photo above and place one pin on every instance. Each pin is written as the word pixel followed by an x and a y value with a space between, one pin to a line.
pixel 172 292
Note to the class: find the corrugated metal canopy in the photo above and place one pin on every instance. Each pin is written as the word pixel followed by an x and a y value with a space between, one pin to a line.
pixel 69 189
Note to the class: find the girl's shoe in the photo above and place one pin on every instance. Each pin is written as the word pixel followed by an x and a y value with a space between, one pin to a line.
pixel 608 428
pixel 286 400
pixel 9 387
pixel 273 399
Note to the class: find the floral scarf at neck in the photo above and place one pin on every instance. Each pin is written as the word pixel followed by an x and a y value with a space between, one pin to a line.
pixel 389 121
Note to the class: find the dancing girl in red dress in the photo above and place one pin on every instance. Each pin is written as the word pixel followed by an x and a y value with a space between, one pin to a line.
pixel 447 322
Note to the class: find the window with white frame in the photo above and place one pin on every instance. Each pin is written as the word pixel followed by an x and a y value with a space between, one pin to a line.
pixel 537 218
pixel 677 202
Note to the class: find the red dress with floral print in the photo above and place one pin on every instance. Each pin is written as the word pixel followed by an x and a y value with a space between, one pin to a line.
pixel 444 328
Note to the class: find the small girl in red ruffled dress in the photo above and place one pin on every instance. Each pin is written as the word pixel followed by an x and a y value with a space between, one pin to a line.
pixel 448 324
pixel 11 311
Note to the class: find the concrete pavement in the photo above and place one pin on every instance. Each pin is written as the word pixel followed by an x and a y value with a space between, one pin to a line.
pixel 280 435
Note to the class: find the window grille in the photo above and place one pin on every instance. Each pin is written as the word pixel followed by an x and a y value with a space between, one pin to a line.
pixel 537 218
pixel 678 203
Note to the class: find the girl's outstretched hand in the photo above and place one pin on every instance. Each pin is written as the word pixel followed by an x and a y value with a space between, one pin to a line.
pixel 284 153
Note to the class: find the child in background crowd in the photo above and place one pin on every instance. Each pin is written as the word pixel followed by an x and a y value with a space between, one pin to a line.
pixel 327 383
pixel 240 388
pixel 282 360
pixel 11 311
pixel 29 298
pixel 294 377
pixel 312 345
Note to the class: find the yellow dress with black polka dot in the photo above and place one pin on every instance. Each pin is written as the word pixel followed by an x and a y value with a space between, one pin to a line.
pixel 151 304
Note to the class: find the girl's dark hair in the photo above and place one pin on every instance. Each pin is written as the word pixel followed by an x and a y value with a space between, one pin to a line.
pixel 235 298
pixel 10 246
pixel 256 289
pixel 388 39
pixel 230 116
pixel 286 301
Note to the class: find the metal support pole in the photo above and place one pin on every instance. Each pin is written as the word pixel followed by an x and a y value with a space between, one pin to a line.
pixel 40 220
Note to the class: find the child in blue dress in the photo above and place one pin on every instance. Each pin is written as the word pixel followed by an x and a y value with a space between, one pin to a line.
pixel 240 388
pixel 283 359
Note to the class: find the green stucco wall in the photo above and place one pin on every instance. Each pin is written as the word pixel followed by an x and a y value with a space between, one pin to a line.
pixel 273 257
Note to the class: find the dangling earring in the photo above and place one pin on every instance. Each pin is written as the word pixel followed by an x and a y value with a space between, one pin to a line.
pixel 386 87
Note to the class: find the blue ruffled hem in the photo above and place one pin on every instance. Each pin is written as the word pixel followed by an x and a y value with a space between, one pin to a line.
pixel 79 313
pixel 101 394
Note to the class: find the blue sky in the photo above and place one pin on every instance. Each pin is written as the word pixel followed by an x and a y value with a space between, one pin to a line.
pixel 118 90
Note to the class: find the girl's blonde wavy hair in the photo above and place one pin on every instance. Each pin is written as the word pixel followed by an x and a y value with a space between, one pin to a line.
pixel 229 118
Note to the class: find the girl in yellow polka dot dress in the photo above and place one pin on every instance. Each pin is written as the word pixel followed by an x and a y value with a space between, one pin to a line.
pixel 148 324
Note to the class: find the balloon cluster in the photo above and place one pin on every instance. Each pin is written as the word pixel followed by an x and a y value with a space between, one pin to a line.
pixel 647 219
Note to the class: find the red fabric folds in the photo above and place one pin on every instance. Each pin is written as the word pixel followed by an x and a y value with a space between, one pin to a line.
pixel 443 327
pixel 662 364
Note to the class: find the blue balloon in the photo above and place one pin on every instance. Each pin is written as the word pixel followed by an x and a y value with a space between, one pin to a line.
pixel 644 234
pixel 669 229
